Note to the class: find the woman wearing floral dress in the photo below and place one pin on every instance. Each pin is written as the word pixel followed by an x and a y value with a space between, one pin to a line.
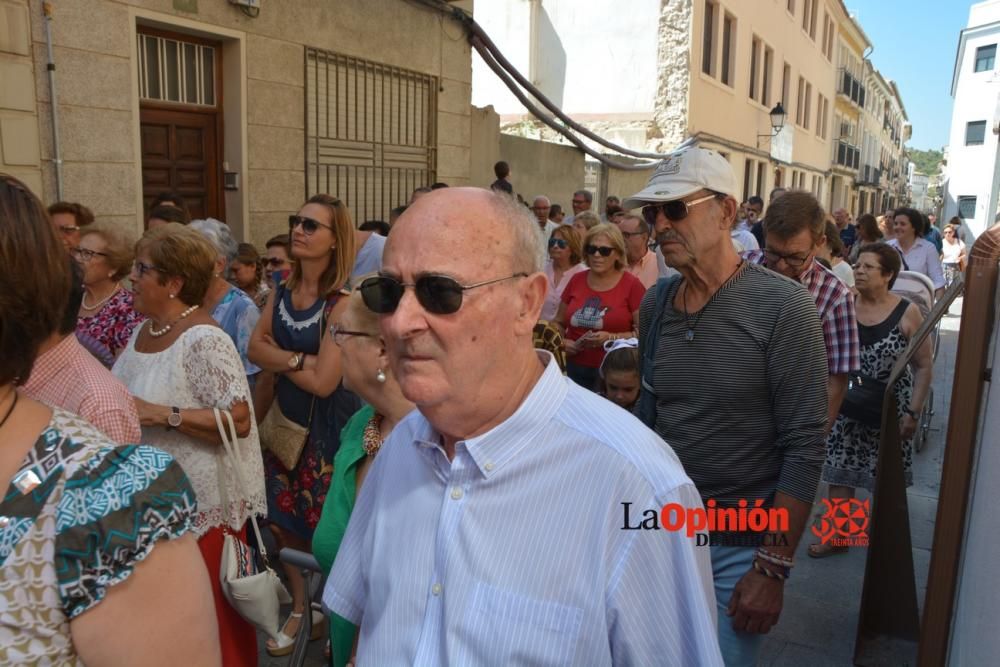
pixel 886 323
pixel 107 314
pixel 290 340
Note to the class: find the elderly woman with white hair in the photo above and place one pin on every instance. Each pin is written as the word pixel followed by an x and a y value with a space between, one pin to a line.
pixel 230 306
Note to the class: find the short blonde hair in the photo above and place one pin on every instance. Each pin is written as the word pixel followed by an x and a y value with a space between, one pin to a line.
pixel 588 219
pixel 613 234
pixel 118 250
pixel 572 239
pixel 178 251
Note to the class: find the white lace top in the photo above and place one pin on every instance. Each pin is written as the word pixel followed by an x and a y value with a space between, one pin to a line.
pixel 201 369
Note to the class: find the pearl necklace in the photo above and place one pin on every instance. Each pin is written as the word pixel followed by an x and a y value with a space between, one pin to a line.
pixel 103 301
pixel 168 327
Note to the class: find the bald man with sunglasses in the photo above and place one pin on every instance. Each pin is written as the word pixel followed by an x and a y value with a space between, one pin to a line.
pixel 490 529
pixel 735 382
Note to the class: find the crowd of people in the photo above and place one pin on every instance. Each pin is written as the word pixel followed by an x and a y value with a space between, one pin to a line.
pixel 408 439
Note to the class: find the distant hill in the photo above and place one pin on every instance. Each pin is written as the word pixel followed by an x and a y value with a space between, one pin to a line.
pixel 927 162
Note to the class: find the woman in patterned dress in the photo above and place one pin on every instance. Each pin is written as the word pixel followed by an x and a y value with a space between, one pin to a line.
pixel 290 340
pixel 63 554
pixel 179 366
pixel 107 314
pixel 886 323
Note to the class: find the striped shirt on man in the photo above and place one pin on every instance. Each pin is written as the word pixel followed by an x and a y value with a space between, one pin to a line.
pixel 514 552
pixel 743 402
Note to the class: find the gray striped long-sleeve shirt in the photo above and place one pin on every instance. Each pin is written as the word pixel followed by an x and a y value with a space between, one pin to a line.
pixel 743 404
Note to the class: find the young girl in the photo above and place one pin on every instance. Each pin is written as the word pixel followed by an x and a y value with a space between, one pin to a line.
pixel 619 372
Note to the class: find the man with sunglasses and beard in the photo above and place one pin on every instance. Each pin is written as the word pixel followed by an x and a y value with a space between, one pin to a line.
pixel 733 334
pixel 489 527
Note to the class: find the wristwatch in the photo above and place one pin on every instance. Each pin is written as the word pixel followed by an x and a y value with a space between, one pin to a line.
pixel 295 362
pixel 174 418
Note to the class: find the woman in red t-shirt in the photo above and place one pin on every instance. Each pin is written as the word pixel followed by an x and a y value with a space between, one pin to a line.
pixel 599 304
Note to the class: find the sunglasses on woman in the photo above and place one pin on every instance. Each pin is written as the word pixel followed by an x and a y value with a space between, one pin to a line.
pixel 85 255
pixel 673 211
pixel 309 226
pixel 602 250
pixel 558 243
pixel 440 295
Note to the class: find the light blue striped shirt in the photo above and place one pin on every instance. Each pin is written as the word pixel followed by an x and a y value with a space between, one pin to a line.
pixel 514 552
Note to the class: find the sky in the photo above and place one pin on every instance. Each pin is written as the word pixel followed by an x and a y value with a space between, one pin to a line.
pixel 914 44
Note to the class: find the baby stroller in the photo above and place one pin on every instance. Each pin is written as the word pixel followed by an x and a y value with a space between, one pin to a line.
pixel 919 290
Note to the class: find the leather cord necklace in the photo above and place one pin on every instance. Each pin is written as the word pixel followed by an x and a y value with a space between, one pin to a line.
pixel 689 336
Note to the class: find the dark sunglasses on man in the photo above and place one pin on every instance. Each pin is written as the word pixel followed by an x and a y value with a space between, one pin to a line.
pixel 440 295
pixel 674 211
pixel 309 226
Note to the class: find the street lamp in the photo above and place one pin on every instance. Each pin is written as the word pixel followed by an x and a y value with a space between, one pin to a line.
pixel 778 116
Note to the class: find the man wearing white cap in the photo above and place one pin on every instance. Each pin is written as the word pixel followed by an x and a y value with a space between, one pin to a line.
pixel 728 334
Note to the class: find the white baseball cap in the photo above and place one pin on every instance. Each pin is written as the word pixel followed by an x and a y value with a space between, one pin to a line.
pixel 684 171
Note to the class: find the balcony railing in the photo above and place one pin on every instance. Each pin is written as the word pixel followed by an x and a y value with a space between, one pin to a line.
pixel 847 155
pixel 851 88
pixel 869 175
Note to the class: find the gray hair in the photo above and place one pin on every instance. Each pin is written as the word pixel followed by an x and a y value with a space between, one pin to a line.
pixel 586 194
pixel 218 234
pixel 524 230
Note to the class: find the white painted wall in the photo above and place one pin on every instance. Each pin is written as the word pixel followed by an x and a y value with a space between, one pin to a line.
pixel 591 56
pixel 971 170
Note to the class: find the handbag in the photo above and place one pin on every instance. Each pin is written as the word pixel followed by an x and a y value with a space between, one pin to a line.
pixel 283 437
pixel 863 401
pixel 256 594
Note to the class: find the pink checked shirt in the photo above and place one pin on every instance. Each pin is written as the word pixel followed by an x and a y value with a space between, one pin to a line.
pixel 69 377
pixel 835 304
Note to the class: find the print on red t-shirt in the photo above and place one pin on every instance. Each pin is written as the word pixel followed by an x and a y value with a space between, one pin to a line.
pixel 589 309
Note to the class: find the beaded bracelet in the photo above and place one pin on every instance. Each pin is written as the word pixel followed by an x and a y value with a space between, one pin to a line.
pixel 771 573
pixel 775 559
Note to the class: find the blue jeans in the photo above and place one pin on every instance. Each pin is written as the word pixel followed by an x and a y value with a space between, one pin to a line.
pixel 729 564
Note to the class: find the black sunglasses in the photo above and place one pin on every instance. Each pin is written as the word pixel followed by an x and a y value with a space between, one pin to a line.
pixel 309 226
pixel 274 261
pixel 440 295
pixel 602 250
pixel 558 243
pixel 675 210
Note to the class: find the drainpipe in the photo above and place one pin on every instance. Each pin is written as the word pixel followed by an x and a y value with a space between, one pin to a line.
pixel 47 10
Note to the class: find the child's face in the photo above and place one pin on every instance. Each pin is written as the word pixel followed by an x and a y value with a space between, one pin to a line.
pixel 622 388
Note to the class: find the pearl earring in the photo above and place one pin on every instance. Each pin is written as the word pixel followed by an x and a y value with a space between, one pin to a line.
pixel 380 376
pixel 172 296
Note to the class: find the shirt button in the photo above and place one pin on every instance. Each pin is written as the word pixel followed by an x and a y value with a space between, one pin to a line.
pixel 436 589
pixel 4 521
pixel 456 493
pixel 489 466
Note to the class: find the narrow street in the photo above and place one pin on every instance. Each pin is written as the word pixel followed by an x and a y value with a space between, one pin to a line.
pixel 820 616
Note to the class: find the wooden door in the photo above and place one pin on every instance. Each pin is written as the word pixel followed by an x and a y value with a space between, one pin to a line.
pixel 180 152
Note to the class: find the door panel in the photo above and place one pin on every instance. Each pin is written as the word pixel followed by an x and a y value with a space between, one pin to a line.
pixel 180 152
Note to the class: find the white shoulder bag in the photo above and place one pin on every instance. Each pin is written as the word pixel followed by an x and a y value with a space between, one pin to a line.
pixel 255 594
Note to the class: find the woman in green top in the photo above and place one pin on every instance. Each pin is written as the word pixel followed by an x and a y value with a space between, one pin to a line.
pixel 366 373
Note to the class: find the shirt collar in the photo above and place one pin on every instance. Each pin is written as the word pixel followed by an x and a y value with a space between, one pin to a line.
pixel 52 361
pixel 495 448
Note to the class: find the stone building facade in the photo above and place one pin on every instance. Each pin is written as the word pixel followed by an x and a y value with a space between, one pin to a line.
pixel 244 113
pixel 711 70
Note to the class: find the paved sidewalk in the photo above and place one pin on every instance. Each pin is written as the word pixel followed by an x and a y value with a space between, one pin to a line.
pixel 822 599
